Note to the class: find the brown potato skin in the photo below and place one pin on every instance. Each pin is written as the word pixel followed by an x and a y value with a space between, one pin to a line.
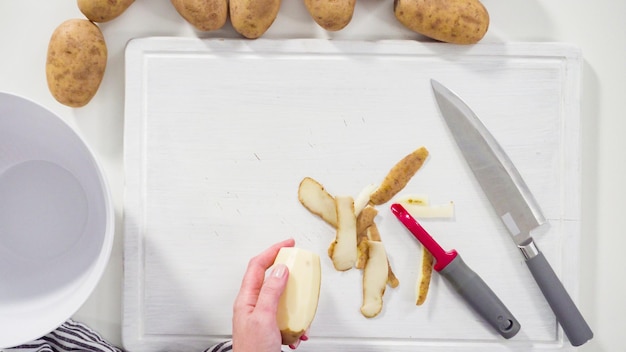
pixel 204 15
pixel 103 10
pixel 427 272
pixel 450 21
pixel 252 18
pixel 399 175
pixel 332 15
pixel 76 61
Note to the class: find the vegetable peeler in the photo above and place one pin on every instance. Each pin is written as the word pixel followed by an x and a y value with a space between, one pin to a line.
pixel 463 279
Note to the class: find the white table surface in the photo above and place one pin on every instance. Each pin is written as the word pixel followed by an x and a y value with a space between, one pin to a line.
pixel 596 27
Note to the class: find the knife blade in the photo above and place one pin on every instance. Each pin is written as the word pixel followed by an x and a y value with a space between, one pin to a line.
pixel 513 203
pixel 463 279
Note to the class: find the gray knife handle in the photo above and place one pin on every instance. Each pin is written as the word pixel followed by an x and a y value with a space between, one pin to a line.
pixel 480 297
pixel 566 312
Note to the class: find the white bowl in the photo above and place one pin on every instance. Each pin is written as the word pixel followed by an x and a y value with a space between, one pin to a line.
pixel 56 221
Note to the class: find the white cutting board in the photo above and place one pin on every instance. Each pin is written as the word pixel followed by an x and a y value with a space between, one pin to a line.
pixel 219 133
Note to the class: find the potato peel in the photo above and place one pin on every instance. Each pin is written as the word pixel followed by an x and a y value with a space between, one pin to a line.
pixel 392 279
pixel 357 240
pixel 374 279
pixel 363 199
pixel 445 210
pixel 374 235
pixel 314 197
pixel 399 175
pixel 362 254
pixel 344 252
pixel 423 281
pixel 365 218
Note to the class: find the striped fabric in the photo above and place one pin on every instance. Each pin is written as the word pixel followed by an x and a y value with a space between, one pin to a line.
pixel 73 336
pixel 221 347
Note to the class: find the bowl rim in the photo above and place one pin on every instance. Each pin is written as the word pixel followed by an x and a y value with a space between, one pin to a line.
pixel 24 329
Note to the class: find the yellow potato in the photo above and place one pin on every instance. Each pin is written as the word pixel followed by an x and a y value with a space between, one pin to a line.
pixel 103 10
pixel 451 21
pixel 252 18
pixel 204 15
pixel 76 61
pixel 298 303
pixel 332 15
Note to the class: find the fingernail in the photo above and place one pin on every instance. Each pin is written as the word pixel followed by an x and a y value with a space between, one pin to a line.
pixel 279 270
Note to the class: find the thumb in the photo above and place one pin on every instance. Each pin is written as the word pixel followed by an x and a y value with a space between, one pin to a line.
pixel 272 288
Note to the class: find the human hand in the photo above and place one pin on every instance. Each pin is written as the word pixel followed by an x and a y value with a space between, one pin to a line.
pixel 254 313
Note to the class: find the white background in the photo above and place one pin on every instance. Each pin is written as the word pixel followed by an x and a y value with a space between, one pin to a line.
pixel 596 27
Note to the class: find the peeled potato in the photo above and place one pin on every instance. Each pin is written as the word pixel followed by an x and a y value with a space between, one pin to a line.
pixel 103 10
pixel 298 303
pixel 451 21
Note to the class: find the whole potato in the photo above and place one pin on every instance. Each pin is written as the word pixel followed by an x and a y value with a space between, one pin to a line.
pixel 451 21
pixel 205 15
pixel 103 10
pixel 76 60
pixel 251 18
pixel 332 15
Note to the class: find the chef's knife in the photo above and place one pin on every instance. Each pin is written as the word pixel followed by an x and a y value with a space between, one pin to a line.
pixel 513 203
pixel 464 280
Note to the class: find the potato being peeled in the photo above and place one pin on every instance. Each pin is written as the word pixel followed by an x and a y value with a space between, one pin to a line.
pixel 298 303
pixel 76 61
pixel 451 21
pixel 103 10
pixel 252 18
pixel 204 15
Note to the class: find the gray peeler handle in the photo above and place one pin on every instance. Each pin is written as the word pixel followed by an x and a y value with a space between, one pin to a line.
pixel 568 315
pixel 480 297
